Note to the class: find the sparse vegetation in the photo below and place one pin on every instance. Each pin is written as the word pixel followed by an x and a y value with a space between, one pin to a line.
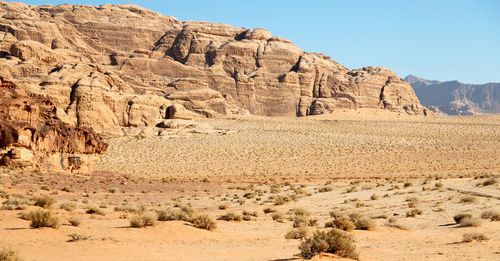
pixel 278 217
pixel 95 210
pixel 78 237
pixel 68 206
pixel 469 237
pixel 493 215
pixel 362 222
pixel 468 199
pixel 231 216
pixel 44 218
pixel 74 221
pixel 297 233
pixel 459 217
pixel 413 212
pixel 333 241
pixel 342 223
pixel 204 222
pixel 470 222
pixel 143 220
pixel 9 254
pixel 45 201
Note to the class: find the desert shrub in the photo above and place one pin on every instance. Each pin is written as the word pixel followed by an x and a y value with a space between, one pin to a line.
pixel 184 213
pixel 275 189
pixel 352 189
pixel 342 223
pixel 470 222
pixel 68 206
pixel 278 217
pixel 335 214
pixel 222 207
pixel 325 189
pixel 300 212
pixel 438 185
pixel 373 197
pixel 334 241
pixel 414 212
pixel 204 222
pixel 407 184
pixel 250 213
pixel 9 254
pixel 493 215
pixel 15 203
pixel 78 237
pixel 231 216
pixel 469 237
pixel 362 222
pixel 75 221
pixel 297 233
pixel 300 221
pixel 44 218
pixel 143 219
pixel 281 200
pixel 25 216
pixel 45 201
pixel 130 209
pixel 312 222
pixel 269 210
pixel 468 199
pixel 95 210
pixel 459 217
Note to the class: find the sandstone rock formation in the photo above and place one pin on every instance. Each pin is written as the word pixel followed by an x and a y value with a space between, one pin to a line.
pixel 456 98
pixel 111 67
pixel 33 137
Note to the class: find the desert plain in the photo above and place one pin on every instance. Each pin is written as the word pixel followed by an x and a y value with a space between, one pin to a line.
pixel 409 175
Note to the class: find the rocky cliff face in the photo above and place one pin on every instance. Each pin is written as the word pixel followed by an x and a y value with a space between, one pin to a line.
pixel 456 98
pixel 109 67
pixel 33 137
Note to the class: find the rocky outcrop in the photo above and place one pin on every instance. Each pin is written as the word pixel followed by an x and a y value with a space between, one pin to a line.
pixel 456 98
pixel 33 137
pixel 112 67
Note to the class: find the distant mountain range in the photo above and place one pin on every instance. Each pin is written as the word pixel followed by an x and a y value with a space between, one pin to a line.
pixel 456 98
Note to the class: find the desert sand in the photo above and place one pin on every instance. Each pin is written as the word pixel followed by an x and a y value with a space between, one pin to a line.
pixel 348 162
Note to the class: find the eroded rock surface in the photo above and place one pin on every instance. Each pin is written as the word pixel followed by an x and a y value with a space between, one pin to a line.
pixel 112 67
pixel 33 137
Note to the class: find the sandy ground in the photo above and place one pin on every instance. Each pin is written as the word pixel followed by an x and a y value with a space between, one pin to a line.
pixel 351 144
pixel 441 160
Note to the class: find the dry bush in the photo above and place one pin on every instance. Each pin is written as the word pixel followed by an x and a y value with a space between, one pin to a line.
pixel 184 213
pixel 334 241
pixel 222 207
pixel 231 216
pixel 373 197
pixel 362 222
pixel 45 201
pixel 325 189
pixel 15 203
pixel 414 212
pixel 95 210
pixel 130 209
pixel 269 210
pixel 75 221
pixel 459 217
pixel 468 199
pixel 204 222
pixel 297 233
pixel 278 217
pixel 68 206
pixel 300 221
pixel 470 222
pixel 143 219
pixel 78 237
pixel 301 212
pixel 493 215
pixel 44 218
pixel 250 213
pixel 469 237
pixel 335 213
pixel 342 223
pixel 9 254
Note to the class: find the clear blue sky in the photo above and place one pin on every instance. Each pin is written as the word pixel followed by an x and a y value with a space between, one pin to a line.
pixel 437 40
